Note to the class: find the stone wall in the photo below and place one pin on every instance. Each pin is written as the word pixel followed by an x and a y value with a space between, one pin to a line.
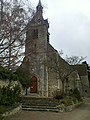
pixel 12 112
pixel 85 86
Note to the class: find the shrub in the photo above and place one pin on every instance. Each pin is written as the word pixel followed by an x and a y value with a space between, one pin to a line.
pixel 74 100
pixel 66 101
pixel 61 107
pixel 76 94
pixel 1 117
pixel 58 94
pixel 9 96
pixel 3 109
pixel 24 78
pixel 7 74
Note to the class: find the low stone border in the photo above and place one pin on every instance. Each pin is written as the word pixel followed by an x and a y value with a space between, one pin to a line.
pixel 68 108
pixel 13 111
pixel 71 107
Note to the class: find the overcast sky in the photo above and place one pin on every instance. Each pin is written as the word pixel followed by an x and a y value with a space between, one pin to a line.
pixel 69 25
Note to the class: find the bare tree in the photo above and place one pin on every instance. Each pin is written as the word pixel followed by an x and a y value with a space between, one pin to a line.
pixel 60 67
pixel 73 60
pixel 13 25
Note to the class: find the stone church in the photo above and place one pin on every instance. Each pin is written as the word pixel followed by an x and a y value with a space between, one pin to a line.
pixel 48 70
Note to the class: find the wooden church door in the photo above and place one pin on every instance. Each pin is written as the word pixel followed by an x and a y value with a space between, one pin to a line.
pixel 33 88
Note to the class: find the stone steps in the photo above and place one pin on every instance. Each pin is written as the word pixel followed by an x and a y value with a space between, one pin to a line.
pixel 39 104
pixel 40 109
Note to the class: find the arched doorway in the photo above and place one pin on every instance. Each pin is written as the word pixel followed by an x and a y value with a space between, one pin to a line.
pixel 33 88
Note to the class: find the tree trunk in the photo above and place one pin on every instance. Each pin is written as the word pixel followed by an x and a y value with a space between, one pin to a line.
pixel 63 88
pixel 1 10
pixel 26 91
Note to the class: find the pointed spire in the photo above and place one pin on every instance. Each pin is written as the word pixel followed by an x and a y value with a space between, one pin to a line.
pixel 39 7
pixel 39 3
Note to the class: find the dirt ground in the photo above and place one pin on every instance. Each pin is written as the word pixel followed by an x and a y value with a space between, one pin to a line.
pixel 80 113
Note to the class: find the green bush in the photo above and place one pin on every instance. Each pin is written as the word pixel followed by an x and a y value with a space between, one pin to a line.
pixel 67 101
pixel 74 100
pixel 9 96
pixel 76 94
pixel 58 94
pixel 1 117
pixel 7 74
pixel 24 78
pixel 3 109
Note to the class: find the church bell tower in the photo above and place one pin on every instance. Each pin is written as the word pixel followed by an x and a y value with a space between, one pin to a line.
pixel 36 49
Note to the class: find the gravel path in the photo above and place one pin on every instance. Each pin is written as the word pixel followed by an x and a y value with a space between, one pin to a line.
pixel 81 113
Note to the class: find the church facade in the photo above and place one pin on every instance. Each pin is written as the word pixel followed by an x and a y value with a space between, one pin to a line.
pixel 48 70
